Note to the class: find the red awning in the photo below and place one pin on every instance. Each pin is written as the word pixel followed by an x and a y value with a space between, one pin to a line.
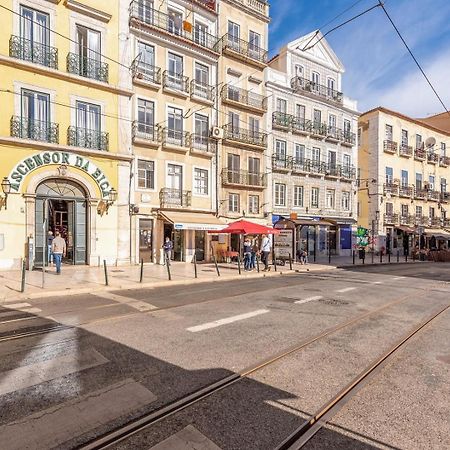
pixel 246 227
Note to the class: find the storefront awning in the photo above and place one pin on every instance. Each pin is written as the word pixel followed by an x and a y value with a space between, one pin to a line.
pixel 405 229
pixel 437 233
pixel 313 223
pixel 193 221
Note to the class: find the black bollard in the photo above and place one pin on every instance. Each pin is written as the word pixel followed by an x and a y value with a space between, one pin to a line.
pixel 290 262
pixel 239 264
pixel 389 257
pixel 381 257
pixel 329 257
pixel 398 255
pixel 353 257
pixel 195 265
pixel 364 258
pixel 141 275
pixel 106 273
pixel 215 263
pixel 275 263
pixel 257 263
pixel 406 257
pixel 373 255
pixel 169 275
pixel 22 282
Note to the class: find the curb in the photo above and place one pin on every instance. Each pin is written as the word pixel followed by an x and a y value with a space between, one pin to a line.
pixel 394 263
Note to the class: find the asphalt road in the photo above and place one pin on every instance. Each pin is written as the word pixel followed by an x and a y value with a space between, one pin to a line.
pixel 114 356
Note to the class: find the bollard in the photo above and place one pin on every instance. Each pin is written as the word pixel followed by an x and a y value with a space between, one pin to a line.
pixel 364 258
pixel 257 263
pixel 22 282
pixel 195 265
pixel 373 255
pixel 290 262
pixel 215 263
pixel 406 257
pixel 389 257
pixel 381 257
pixel 169 275
pixel 106 272
pixel 398 255
pixel 353 256
pixel 239 264
pixel 329 257
pixel 275 263
pixel 141 275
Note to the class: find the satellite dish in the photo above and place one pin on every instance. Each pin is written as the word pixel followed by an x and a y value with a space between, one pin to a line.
pixel 430 142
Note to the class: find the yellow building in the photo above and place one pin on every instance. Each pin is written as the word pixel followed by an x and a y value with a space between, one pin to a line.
pixel 63 157
pixel 404 168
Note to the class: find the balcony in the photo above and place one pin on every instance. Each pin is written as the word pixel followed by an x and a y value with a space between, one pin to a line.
pixel 434 196
pixel 243 178
pixel 445 197
pixel 405 191
pixel 406 219
pixel 420 220
pixel 332 170
pixel 246 137
pixel 202 92
pixel 203 145
pixel 176 83
pixel 348 172
pixel 334 134
pixel 301 165
pixel 390 146
pixel 177 140
pixel 390 219
pixel 420 154
pixel 444 161
pixel 432 158
pixel 243 50
pixel 174 198
pixel 258 6
pixel 34 52
pixel 303 84
pixel 319 130
pixel 348 138
pixel 184 30
pixel 143 72
pixel 243 98
pixel 301 125
pixel 35 130
pixel 93 139
pixel 390 188
pixel 435 222
pixel 281 164
pixel 87 67
pixel 421 194
pixel 406 151
pixel 446 223
pixel 145 134
pixel 282 120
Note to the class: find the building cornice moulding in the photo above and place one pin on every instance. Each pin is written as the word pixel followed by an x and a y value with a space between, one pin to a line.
pixel 88 10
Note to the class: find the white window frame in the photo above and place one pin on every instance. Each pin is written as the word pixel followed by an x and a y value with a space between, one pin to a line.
pixel 251 204
pixel 345 201
pixel 233 206
pixel 195 193
pixel 315 195
pixel 330 198
pixel 279 194
pixel 298 196
pixel 146 189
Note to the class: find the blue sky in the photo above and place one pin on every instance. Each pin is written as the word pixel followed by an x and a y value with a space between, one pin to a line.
pixel 379 71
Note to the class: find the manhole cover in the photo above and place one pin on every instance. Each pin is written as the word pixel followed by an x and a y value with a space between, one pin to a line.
pixel 333 301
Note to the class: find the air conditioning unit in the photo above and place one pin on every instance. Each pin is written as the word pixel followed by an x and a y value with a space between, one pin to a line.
pixel 217 133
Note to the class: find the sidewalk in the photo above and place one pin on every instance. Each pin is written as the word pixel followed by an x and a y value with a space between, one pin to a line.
pixel 83 279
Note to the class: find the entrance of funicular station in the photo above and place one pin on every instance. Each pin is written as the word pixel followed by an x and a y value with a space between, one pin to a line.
pixel 61 205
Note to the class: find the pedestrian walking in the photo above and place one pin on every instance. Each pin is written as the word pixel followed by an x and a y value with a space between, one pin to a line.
pixel 167 247
pixel 50 238
pixel 266 246
pixel 247 254
pixel 255 250
pixel 58 250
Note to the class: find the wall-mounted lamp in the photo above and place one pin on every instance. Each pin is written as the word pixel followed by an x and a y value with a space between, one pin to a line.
pixel 103 205
pixel 6 188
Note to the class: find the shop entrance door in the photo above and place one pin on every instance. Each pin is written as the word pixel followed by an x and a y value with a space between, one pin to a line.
pixel 61 206
pixel 145 240
pixel 200 245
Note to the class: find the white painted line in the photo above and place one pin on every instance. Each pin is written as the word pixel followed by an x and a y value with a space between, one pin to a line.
pixel 377 282
pixel 187 438
pixel 398 278
pixel 310 299
pixel 218 323
pixel 346 289
pixel 17 305
pixel 131 302
pixel 32 310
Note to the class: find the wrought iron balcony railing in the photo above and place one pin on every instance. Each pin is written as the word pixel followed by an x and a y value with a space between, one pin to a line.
pixel 334 133
pixel 87 67
pixel 172 25
pixel 444 161
pixel 405 191
pixel 202 90
pixel 348 138
pixel 245 49
pixel 203 144
pixel 245 136
pixel 406 219
pixel 434 195
pixel 301 125
pixel 390 218
pixel 35 52
pixel 406 150
pixel 445 197
pixel 303 84
pixel 432 158
pixel 446 223
pixel 178 138
pixel 348 172
pixel 390 146
pixel 36 130
pixel 281 163
pixel 319 129
pixel 259 6
pixel 147 132
pixel 282 120
pixel 176 82
pixel 146 72
pixel 390 188
pixel 301 165
pixel 435 222
pixel 244 97
pixel 174 198
pixel 421 193
pixel 420 154
pixel 93 139
pixel 243 178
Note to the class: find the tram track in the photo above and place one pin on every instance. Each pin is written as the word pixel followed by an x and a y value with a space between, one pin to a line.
pixel 120 434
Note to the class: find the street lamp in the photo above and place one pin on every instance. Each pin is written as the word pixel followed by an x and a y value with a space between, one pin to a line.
pixel 6 188
pixel 104 205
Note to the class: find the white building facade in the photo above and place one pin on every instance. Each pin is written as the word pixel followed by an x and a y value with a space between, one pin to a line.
pixel 312 149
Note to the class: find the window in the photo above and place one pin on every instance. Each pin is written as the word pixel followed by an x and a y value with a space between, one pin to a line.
pixel 175 72
pixel 253 204
pixel 35 36
pixel 146 174
pixel 175 183
pixel 201 132
pixel 418 141
pixel 254 42
pixel 233 203
pixel 404 178
pixel 431 181
pixel 331 160
pixel 317 117
pixel 329 199
pixel 299 153
pixel 405 137
pixel 175 126
pixel 281 105
pixel 315 78
pixel 175 21
pixel 332 121
pixel 359 136
pixel 316 157
pixel 314 197
pixel 300 112
pixel 233 35
pixel 389 175
pixel 253 127
pixel 280 194
pixel 388 132
pixel 443 185
pixel 201 181
pixel 404 210
pixel 298 196
pixel 299 71
pixel 443 149
pixel 233 119
pixel 145 11
pixel 280 150
pixel 418 181
pixel 201 33
pixel 331 83
pixel 347 127
pixel 347 161
pixel 88 117
pixel 254 171
pixel 201 80
pixel 389 209
pixel 146 117
pixel 431 212
pixel 146 61
pixel 234 167
pixel 88 51
pixel 346 201
pixel 35 115
pixel 419 211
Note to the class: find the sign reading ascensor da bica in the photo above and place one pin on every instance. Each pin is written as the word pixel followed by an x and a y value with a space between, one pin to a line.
pixel 33 162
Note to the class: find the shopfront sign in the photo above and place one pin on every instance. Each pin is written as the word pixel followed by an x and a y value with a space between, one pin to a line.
pixel 198 226
pixel 44 159
pixel 283 243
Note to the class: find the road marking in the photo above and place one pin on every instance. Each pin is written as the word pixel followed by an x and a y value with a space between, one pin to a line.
pixel 377 282
pixel 346 290
pixel 32 310
pixel 398 278
pixel 218 323
pixel 309 299
pixel 131 302
pixel 17 305
pixel 187 438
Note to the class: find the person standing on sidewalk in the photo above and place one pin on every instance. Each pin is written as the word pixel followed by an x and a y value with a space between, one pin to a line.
pixel 167 247
pixel 266 246
pixel 247 254
pixel 58 250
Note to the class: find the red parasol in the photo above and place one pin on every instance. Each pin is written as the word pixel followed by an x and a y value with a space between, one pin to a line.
pixel 246 227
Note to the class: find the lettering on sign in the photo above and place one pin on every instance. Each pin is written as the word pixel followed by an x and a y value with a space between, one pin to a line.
pixel 283 243
pixel 27 165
